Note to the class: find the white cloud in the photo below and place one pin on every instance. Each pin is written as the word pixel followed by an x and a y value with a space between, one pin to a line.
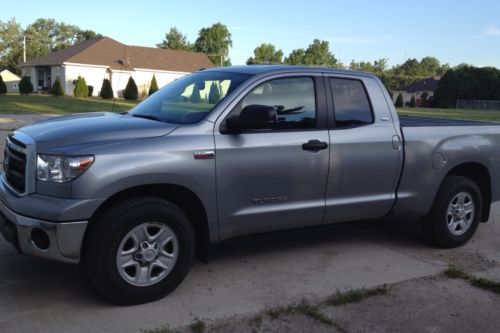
pixel 492 30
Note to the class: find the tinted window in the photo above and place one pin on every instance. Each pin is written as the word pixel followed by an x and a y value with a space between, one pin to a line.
pixel 292 98
pixel 190 98
pixel 351 104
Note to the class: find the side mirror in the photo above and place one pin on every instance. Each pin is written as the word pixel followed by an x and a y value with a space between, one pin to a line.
pixel 252 117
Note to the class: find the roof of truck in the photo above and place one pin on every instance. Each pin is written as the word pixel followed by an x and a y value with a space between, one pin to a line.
pixel 260 69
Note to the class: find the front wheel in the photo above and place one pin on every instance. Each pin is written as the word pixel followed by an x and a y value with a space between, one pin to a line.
pixel 139 250
pixel 455 214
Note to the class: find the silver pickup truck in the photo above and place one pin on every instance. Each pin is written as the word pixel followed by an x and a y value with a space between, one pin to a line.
pixel 220 153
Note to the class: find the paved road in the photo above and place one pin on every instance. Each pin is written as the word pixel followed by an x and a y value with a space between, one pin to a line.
pixel 244 276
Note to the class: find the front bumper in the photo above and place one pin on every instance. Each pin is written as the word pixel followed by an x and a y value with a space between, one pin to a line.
pixel 56 241
pixel 46 232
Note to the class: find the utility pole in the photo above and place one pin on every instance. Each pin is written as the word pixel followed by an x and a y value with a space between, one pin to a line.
pixel 24 49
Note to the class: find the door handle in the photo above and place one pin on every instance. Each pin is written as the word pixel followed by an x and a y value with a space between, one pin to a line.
pixel 314 145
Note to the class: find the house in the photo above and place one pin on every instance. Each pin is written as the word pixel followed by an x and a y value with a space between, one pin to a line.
pixel 416 89
pixel 105 58
pixel 11 80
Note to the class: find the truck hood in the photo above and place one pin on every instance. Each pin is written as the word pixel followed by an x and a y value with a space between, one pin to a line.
pixel 91 128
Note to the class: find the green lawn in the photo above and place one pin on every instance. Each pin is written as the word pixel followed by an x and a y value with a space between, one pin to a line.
pixel 48 104
pixel 487 115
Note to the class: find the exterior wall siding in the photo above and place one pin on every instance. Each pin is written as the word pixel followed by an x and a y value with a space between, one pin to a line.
pixel 93 76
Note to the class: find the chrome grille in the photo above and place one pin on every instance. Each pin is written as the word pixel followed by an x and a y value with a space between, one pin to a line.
pixel 14 164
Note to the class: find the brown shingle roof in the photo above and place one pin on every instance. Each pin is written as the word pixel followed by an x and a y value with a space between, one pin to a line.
pixel 105 51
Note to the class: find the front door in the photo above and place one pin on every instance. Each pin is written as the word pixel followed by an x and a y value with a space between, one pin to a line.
pixel 275 178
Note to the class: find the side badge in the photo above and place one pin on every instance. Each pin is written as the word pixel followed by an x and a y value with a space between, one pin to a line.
pixel 204 155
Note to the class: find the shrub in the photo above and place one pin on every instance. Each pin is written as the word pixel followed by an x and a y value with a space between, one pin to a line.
pixel 195 96
pixel 399 101
pixel 25 86
pixel 106 90
pixel 412 102
pixel 3 86
pixel 81 90
pixel 57 88
pixel 91 90
pixel 131 92
pixel 153 87
pixel 214 94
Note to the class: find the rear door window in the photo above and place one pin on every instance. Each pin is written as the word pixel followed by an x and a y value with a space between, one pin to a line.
pixel 351 104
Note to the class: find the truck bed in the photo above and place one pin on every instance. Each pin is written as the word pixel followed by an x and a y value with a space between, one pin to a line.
pixel 416 121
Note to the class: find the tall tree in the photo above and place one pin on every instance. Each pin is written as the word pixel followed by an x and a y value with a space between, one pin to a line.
pixel 266 54
pixel 215 42
pixel 11 50
pixel 175 40
pixel 317 54
pixel 296 57
pixel 42 37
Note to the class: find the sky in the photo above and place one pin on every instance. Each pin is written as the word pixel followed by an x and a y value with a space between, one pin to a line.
pixel 455 32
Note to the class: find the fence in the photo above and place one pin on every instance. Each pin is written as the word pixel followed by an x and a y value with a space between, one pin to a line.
pixel 478 104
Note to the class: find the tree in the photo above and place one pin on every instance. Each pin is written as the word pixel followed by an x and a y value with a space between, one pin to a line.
pixel 296 57
pixel 214 94
pixel 195 95
pixel 175 40
pixel 399 101
pixel 131 92
pixel 266 54
pixel 25 86
pixel 215 42
pixel 317 54
pixel 467 82
pixel 3 86
pixel 106 90
pixel 413 103
pixel 10 45
pixel 153 87
pixel 423 98
pixel 57 88
pixel 81 90
pixel 43 36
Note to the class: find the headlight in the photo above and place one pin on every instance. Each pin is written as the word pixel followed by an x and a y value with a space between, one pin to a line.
pixel 61 169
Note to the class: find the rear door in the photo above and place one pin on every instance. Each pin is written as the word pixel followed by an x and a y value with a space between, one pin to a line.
pixel 365 150
pixel 275 178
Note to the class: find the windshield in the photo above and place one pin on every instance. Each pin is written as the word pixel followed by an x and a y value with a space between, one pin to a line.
pixel 189 99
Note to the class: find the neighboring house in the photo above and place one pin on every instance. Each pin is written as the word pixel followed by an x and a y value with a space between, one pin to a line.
pixel 105 58
pixel 416 89
pixel 11 80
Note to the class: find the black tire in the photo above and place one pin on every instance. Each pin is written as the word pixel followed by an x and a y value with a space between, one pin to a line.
pixel 436 222
pixel 106 234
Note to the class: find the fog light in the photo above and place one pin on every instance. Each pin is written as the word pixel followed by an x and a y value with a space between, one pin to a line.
pixel 40 239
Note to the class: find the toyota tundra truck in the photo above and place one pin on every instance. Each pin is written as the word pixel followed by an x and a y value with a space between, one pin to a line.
pixel 135 197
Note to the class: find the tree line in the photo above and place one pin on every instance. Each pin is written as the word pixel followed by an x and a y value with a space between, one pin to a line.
pixel 43 36
pixel 465 82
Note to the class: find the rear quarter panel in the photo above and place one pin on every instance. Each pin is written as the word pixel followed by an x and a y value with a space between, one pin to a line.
pixel 432 152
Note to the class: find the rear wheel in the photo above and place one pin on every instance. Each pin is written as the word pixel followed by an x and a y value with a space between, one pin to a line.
pixel 139 250
pixel 455 214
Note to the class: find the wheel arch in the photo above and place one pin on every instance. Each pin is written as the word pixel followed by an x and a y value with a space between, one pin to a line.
pixel 181 196
pixel 480 174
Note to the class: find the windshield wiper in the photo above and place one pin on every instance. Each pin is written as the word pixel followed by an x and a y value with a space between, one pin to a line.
pixel 146 116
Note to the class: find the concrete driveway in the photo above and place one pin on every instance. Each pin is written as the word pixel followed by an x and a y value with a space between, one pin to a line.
pixel 244 276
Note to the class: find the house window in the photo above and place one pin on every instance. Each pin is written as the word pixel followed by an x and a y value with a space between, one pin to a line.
pixel 15 86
